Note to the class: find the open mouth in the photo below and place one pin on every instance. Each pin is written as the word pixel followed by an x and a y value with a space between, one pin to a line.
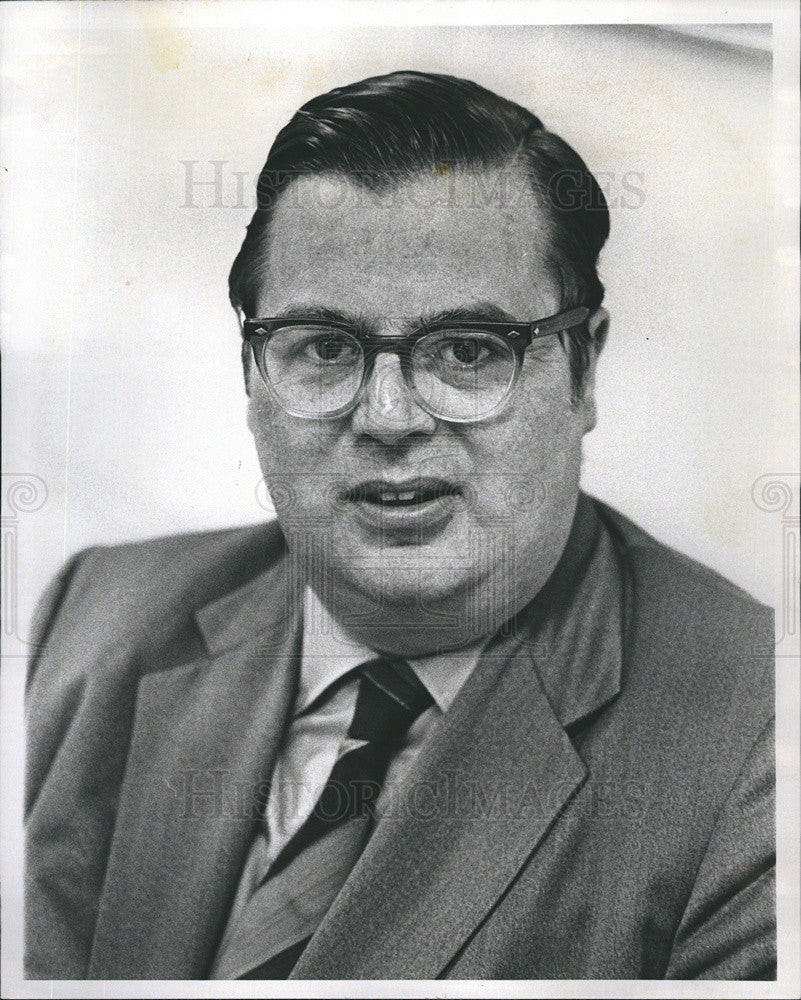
pixel 407 494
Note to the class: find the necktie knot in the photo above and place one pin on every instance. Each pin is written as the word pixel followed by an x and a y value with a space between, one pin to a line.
pixel 390 698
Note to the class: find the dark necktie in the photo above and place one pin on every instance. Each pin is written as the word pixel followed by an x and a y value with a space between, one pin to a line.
pixel 307 875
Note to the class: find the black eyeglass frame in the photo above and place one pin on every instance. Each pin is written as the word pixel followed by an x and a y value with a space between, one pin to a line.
pixel 519 336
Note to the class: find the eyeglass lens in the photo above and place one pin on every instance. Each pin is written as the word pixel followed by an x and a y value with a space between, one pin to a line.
pixel 455 374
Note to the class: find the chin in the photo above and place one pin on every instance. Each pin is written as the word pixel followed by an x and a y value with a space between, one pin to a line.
pixel 407 586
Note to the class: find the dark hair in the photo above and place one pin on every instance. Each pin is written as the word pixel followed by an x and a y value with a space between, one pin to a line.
pixel 386 129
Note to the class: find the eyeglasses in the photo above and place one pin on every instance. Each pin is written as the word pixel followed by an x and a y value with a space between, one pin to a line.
pixel 461 372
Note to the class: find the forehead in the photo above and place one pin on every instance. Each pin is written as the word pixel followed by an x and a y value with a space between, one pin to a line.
pixel 429 243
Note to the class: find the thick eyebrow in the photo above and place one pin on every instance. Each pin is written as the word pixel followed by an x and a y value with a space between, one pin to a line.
pixel 477 312
pixel 308 311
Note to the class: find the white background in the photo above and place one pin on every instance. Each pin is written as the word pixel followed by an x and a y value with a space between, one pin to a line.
pixel 121 377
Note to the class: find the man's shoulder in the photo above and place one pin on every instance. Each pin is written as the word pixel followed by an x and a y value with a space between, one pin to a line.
pixel 227 556
pixel 236 553
pixel 107 589
pixel 694 639
pixel 672 576
pixel 116 612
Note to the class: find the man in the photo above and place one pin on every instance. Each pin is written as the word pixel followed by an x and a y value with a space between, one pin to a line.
pixel 453 718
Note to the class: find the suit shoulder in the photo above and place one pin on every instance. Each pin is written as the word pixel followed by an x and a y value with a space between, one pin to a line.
pixel 197 566
pixel 680 577
pixel 242 546
pixel 145 592
pixel 696 642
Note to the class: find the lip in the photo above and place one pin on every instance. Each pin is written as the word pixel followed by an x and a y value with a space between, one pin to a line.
pixel 420 505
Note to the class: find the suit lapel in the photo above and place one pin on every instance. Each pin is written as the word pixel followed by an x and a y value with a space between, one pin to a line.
pixel 480 797
pixel 205 738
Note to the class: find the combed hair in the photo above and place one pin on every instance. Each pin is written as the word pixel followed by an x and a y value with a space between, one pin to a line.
pixel 384 130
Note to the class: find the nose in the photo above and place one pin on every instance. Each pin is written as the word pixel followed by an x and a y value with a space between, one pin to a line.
pixel 387 410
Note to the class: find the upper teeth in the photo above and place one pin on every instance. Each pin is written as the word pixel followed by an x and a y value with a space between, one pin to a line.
pixel 389 497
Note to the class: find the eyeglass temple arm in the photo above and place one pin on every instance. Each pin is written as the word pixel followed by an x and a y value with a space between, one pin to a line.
pixel 560 322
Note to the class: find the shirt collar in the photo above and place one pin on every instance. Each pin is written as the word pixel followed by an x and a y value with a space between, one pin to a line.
pixel 330 652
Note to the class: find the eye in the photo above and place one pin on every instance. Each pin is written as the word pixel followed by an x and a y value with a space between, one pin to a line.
pixel 330 348
pixel 314 346
pixel 467 350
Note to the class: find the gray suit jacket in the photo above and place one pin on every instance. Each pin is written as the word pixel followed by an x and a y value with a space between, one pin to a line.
pixel 560 822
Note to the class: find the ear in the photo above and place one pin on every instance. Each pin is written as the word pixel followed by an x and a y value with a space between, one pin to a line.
pixel 598 327
pixel 249 372
pixel 247 354
pixel 247 364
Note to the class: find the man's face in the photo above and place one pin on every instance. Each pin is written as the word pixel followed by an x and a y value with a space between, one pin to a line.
pixel 430 246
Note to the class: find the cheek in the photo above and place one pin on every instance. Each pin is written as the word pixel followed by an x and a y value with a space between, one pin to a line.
pixel 531 463
pixel 292 455
pixel 264 423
